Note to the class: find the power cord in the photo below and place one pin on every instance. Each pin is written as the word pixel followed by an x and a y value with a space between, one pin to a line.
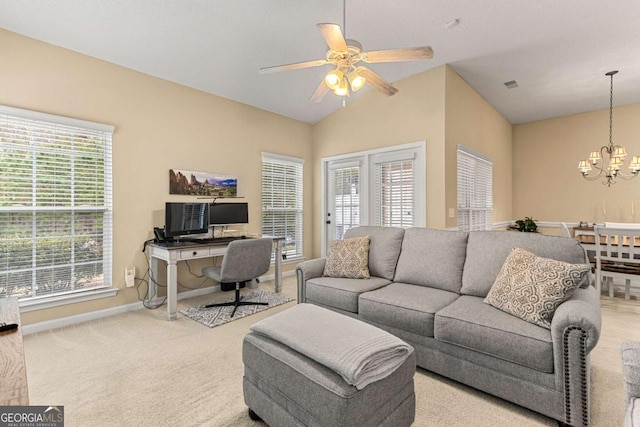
pixel 147 297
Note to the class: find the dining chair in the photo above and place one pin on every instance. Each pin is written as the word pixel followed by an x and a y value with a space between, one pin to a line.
pixel 622 224
pixel 617 256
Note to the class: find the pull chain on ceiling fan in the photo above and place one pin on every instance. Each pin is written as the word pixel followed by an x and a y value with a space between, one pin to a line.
pixel 344 55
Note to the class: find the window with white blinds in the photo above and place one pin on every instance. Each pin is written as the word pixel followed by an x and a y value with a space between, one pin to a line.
pixel 394 193
pixel 55 205
pixel 475 190
pixel 282 201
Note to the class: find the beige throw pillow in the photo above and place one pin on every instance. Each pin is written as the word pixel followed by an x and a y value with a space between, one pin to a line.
pixel 531 287
pixel 348 258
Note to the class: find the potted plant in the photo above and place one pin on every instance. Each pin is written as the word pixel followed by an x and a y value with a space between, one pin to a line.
pixel 526 225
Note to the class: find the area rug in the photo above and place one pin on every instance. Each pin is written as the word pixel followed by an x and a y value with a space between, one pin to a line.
pixel 216 316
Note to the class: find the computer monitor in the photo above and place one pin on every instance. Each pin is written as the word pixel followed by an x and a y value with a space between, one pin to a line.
pixel 228 213
pixel 185 218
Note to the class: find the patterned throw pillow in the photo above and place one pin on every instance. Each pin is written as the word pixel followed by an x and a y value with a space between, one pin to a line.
pixel 531 287
pixel 348 258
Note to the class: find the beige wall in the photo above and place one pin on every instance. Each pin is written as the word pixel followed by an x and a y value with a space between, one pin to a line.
pixel 159 125
pixel 436 106
pixel 415 113
pixel 472 121
pixel 546 181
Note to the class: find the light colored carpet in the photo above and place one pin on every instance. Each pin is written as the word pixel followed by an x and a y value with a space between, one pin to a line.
pixel 216 316
pixel 136 369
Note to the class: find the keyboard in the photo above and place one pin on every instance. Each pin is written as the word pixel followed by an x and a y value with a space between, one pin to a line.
pixel 219 240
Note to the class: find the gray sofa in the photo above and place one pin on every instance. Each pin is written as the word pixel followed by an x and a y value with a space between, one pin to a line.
pixel 427 287
pixel 631 372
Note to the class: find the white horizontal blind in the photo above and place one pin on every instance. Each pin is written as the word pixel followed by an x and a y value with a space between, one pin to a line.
pixel 394 193
pixel 344 195
pixel 55 204
pixel 475 190
pixel 282 201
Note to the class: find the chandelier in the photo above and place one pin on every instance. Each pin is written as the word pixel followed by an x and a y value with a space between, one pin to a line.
pixel 609 168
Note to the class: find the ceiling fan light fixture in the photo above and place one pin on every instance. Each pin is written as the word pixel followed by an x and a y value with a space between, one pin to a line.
pixel 356 81
pixel 342 89
pixel 333 79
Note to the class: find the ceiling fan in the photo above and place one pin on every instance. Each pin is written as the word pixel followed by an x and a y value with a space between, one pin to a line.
pixel 346 54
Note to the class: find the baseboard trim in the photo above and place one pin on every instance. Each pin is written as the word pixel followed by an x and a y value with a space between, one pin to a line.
pixel 79 318
pixel 112 311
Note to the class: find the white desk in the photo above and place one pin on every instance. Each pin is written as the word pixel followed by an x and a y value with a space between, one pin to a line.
pixel 184 251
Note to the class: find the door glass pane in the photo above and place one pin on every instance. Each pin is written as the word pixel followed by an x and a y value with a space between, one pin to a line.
pixel 344 200
pixel 395 194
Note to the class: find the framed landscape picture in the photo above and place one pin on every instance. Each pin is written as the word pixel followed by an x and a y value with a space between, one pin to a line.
pixel 202 184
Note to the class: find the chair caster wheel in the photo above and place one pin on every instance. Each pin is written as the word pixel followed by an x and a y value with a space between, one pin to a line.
pixel 254 416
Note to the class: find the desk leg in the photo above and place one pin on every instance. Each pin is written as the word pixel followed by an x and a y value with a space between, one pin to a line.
pixel 278 266
pixel 152 296
pixel 172 290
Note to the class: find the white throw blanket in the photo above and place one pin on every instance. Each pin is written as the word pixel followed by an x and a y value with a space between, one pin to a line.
pixel 359 352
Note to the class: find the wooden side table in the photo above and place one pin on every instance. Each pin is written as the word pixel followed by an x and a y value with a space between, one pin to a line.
pixel 13 371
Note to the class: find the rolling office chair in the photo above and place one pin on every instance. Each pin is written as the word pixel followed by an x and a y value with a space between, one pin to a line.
pixel 244 261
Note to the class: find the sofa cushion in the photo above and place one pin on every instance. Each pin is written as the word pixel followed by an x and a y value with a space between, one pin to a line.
pixel 339 292
pixel 631 375
pixel 532 287
pixel 433 258
pixel 405 306
pixel 348 258
pixel 470 323
pixel 487 251
pixel 384 248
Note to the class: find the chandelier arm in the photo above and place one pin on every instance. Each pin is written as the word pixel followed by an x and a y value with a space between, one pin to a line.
pixel 626 176
pixel 592 178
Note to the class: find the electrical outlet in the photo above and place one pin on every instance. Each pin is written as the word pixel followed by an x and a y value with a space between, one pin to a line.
pixel 129 277
pixel 452 213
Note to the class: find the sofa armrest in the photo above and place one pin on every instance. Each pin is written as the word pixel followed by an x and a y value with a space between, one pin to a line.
pixel 581 311
pixel 575 331
pixel 631 369
pixel 308 270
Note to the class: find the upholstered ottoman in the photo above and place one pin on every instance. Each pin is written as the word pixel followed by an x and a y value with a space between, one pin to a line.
pixel 286 387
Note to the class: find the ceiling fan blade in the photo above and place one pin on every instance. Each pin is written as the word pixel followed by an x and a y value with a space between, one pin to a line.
pixel 320 92
pixel 333 36
pixel 296 66
pixel 376 81
pixel 394 55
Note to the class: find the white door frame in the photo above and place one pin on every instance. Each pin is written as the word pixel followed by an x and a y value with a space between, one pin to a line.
pixel 365 159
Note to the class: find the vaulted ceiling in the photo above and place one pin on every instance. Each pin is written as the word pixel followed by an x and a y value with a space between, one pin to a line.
pixel 557 51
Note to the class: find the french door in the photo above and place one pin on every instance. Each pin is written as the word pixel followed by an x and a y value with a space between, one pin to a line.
pixel 379 187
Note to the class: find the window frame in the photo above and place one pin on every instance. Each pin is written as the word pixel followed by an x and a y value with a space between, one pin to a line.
pixel 298 209
pixel 61 127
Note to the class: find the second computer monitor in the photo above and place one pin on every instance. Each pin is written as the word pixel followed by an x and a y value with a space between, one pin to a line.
pixel 228 213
